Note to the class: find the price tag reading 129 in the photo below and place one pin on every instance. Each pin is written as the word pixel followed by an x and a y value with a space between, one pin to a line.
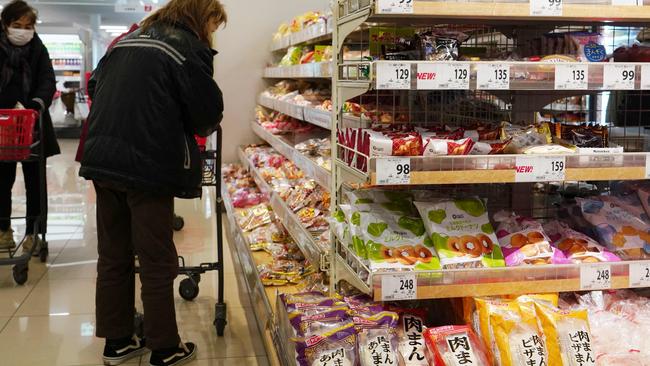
pixel 393 76
pixel 448 76
pixel 639 274
pixel 595 277
pixel 399 287
pixel 571 77
pixel 619 77
pixel 493 76
pixel 396 6
pixel 546 8
pixel 393 171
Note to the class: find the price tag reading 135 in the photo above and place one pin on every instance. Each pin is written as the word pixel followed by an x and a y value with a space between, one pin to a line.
pixel 493 76
pixel 396 6
pixel 393 76
pixel 595 277
pixel 399 287
pixel 546 8
pixel 393 171
pixel 571 77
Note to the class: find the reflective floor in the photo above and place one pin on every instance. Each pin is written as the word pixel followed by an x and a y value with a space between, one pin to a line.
pixel 50 320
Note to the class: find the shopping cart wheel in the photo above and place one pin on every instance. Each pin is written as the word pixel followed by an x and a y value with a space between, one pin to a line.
pixel 178 223
pixel 220 318
pixel 189 288
pixel 138 324
pixel 20 272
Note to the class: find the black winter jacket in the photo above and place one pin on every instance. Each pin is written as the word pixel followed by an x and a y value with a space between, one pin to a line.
pixel 43 87
pixel 151 93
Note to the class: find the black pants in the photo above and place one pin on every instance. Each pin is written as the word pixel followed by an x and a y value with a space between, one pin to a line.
pixel 32 188
pixel 128 223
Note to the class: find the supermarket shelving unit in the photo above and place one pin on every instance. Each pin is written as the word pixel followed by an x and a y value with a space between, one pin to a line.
pixel 532 83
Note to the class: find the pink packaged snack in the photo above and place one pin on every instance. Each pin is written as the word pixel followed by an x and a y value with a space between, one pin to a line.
pixel 244 197
pixel 577 247
pixel 524 242
pixel 618 229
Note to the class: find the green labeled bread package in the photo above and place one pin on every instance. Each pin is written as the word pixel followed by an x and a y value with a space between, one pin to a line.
pixel 461 233
pixel 355 240
pixel 395 240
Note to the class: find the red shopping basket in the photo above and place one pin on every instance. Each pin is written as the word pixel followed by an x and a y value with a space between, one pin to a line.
pixel 16 133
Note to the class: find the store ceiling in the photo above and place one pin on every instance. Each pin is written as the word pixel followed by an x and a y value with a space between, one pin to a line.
pixel 68 13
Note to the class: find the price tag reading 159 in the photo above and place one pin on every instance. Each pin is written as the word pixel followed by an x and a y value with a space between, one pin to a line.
pixel 546 8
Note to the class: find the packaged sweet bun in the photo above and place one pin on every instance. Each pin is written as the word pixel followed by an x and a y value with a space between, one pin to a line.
pixel 524 242
pixel 577 247
pixel 461 233
pixel 454 345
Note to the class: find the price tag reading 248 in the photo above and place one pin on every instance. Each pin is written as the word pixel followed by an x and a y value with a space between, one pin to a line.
pixel 396 6
pixel 546 8
pixel 595 277
pixel 393 76
pixel 399 287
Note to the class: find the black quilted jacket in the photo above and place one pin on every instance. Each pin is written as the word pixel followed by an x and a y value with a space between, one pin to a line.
pixel 152 92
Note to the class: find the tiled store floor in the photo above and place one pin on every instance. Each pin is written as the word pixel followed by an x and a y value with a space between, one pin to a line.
pixel 50 320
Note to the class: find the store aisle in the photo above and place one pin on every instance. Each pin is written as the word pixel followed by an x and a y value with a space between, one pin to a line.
pixel 50 320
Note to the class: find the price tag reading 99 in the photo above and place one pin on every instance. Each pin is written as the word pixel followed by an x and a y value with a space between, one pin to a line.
pixel 395 6
pixel 546 8
pixel 619 77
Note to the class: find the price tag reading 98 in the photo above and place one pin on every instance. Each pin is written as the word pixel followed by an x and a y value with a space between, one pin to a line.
pixel 395 6
pixel 546 8
pixel 393 171
pixel 619 77
pixel 571 77
pixel 595 277
pixel 393 76
pixel 493 76
pixel 399 287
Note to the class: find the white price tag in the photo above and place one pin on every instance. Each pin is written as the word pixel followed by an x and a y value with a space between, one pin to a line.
pixel 619 77
pixel 540 169
pixel 627 2
pixel 399 287
pixel 393 171
pixel 571 77
pixel 645 77
pixel 647 166
pixel 493 76
pixel 396 6
pixel 546 8
pixel 595 277
pixel 450 76
pixel 639 274
pixel 393 75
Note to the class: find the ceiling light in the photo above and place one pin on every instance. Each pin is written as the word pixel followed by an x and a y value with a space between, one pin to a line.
pixel 154 1
pixel 39 21
pixel 114 28
pixel 141 2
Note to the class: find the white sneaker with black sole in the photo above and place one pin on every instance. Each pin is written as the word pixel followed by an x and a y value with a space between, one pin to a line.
pixel 175 356
pixel 118 354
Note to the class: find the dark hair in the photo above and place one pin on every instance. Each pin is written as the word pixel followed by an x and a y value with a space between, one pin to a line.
pixel 194 14
pixel 16 10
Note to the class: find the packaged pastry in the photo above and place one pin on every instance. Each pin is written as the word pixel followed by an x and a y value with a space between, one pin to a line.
pixel 411 339
pixel 397 241
pixel 454 345
pixel 461 233
pixel 434 146
pixel 619 230
pixel 254 217
pixel 334 346
pixel 522 137
pixel 567 334
pixel 576 246
pixel 587 46
pixel 524 242
pixel 318 320
pixel 485 306
pixel 357 243
pixel 393 143
pixel 378 346
pixel 489 147
pixel 293 302
pixel 629 202
pixel 518 339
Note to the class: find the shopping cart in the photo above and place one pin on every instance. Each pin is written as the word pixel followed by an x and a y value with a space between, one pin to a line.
pixel 189 287
pixel 20 142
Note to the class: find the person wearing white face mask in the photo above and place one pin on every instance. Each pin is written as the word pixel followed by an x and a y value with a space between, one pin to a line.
pixel 26 78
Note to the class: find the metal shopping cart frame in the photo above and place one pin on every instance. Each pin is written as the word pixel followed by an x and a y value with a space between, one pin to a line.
pixel 189 287
pixel 20 263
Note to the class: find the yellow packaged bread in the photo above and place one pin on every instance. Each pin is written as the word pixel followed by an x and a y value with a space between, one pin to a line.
pixel 518 339
pixel 485 307
pixel 567 336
